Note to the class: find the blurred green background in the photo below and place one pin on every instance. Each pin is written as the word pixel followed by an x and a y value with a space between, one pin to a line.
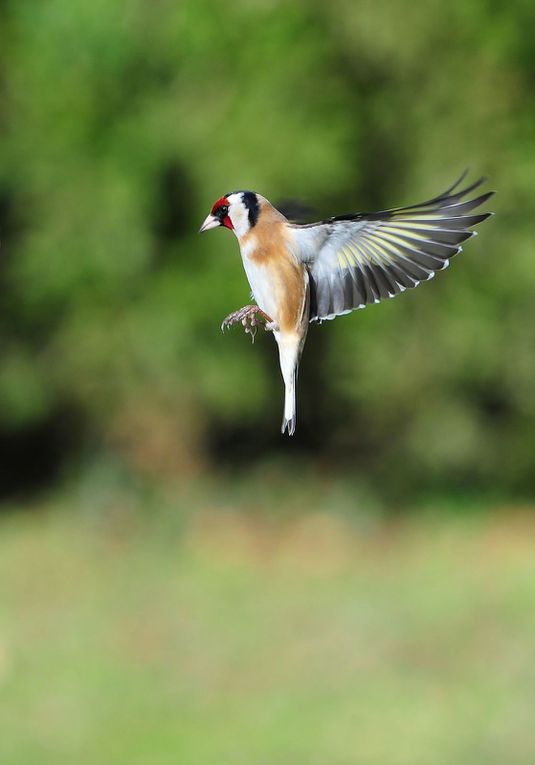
pixel 179 582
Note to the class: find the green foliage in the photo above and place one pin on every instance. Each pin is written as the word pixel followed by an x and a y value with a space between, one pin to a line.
pixel 120 123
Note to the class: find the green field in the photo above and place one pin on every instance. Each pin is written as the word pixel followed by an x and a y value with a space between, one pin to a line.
pixel 224 635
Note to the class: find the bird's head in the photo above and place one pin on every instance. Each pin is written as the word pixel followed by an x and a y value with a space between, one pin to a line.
pixel 237 211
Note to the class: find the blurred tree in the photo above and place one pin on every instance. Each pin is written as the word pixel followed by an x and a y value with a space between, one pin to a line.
pixel 121 123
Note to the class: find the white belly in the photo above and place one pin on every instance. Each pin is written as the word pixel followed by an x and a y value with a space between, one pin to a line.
pixel 262 288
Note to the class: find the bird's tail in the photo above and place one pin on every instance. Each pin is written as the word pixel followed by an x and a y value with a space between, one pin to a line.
pixel 289 419
pixel 289 359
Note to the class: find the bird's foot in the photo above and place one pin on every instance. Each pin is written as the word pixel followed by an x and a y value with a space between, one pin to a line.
pixel 248 316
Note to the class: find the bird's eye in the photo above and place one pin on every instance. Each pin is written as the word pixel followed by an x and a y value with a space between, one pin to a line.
pixel 223 210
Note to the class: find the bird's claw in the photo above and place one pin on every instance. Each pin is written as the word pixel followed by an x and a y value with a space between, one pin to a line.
pixel 248 316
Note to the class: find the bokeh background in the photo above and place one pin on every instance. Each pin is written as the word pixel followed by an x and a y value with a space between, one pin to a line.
pixel 179 583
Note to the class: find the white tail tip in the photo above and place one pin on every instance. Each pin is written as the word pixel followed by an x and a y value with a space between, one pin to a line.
pixel 289 425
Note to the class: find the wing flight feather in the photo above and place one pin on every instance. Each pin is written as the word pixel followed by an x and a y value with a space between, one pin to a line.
pixel 357 259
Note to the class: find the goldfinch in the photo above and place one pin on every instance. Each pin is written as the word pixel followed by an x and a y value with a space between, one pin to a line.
pixel 304 273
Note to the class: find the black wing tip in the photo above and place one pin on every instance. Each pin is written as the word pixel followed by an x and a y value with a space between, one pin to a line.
pixel 482 217
pixel 483 198
pixel 451 192
pixel 448 199
pixel 445 199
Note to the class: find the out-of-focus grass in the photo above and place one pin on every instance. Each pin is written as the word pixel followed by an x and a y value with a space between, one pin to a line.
pixel 240 638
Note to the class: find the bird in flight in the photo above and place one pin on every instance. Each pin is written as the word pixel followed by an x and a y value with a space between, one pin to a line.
pixel 304 273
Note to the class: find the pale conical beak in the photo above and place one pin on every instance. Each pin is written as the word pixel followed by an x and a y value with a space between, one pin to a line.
pixel 210 222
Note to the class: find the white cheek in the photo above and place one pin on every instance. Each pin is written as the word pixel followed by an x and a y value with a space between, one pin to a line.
pixel 240 221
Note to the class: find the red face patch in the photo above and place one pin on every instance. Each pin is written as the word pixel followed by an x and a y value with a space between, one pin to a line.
pixel 220 211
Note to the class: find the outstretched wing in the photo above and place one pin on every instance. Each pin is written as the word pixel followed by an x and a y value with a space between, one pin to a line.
pixel 357 259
